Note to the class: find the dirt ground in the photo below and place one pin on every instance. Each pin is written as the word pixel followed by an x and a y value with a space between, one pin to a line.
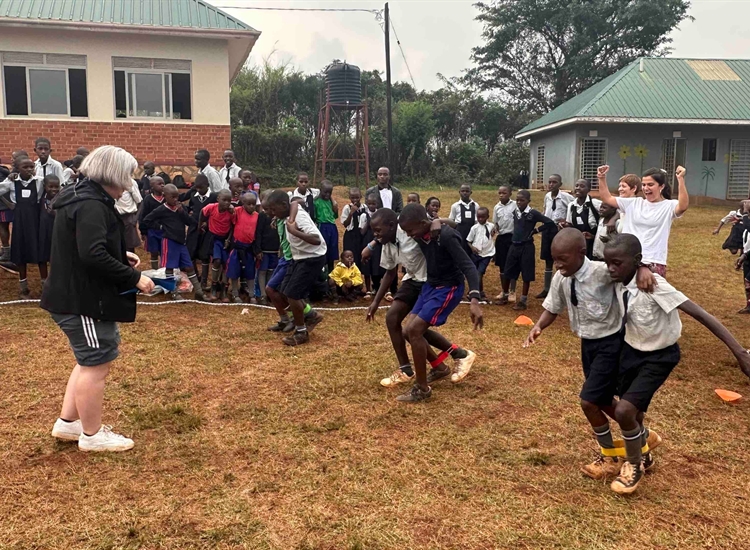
pixel 244 443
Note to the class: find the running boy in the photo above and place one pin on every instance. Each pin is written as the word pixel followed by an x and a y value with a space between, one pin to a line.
pixel 447 267
pixel 326 212
pixel 520 260
pixel 152 235
pixel 174 220
pixel 241 262
pixel 464 213
pixel 217 217
pixel 650 351
pixel 482 244
pixel 556 209
pixel 502 217
pixel 583 214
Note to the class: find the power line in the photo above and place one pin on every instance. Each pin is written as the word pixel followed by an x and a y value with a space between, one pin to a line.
pixel 403 55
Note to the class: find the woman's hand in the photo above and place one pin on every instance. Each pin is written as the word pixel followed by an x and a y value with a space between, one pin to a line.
pixel 145 285
pixel 133 259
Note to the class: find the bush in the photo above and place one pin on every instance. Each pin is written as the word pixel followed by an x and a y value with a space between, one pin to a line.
pixel 505 163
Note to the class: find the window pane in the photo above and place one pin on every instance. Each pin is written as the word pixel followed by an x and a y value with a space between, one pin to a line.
pixel 15 90
pixel 48 92
pixel 709 150
pixel 167 95
pixel 181 96
pixel 131 95
pixel 121 106
pixel 78 95
pixel 149 95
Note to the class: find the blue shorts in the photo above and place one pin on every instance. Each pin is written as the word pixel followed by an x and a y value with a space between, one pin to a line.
pixel 153 240
pixel 481 263
pixel 435 304
pixel 218 252
pixel 269 262
pixel 331 237
pixel 6 216
pixel 235 267
pixel 174 255
pixel 278 274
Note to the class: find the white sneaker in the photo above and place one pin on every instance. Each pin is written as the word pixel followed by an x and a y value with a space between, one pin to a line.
pixel 104 440
pixel 398 377
pixel 463 366
pixel 67 431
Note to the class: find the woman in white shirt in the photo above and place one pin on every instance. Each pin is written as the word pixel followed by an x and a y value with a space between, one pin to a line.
pixel 650 218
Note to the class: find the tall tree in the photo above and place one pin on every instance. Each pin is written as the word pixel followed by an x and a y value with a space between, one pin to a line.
pixel 539 53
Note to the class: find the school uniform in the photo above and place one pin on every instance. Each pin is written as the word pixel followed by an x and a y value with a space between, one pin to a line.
pixel 6 210
pixel 448 266
pixel 746 249
pixel 464 214
pixel 585 218
pixel 521 260
pixel 174 222
pixel 215 183
pixel 556 209
pixel 285 257
pixel 241 262
pixel 127 208
pixel 597 250
pixel 652 329
pixel 144 185
pixel 69 177
pixel 502 217
pixel 309 260
pixel 228 173
pixel 371 268
pixel 219 226
pixel 734 240
pixel 326 220
pixel 50 167
pixel 151 235
pixel 352 234
pixel 308 198
pixel 46 223
pixel 594 314
pixel 406 252
pixel 480 237
pixel 24 243
pixel 197 242
pixel 267 239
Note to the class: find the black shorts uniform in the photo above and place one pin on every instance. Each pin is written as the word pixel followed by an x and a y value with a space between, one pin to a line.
pixel 601 362
pixel 408 292
pixel 502 247
pixel 643 372
pixel 301 277
pixel 521 261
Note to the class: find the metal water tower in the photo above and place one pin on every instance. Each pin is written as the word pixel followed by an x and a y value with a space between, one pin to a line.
pixel 342 117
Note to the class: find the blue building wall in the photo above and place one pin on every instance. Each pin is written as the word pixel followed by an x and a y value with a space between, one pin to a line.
pixel 562 152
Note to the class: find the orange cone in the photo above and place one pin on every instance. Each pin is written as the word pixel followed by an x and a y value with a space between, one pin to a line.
pixel 524 321
pixel 728 396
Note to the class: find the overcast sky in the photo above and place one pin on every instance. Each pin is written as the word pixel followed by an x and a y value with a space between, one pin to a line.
pixel 437 36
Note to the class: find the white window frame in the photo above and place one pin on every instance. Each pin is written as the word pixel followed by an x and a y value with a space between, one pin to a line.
pixel 163 72
pixel 36 66
pixel 581 144
pixel 543 148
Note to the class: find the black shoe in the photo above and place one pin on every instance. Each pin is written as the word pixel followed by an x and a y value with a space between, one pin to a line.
pixel 502 301
pixel 10 267
pixel 437 374
pixel 629 478
pixel 282 326
pixel 415 395
pixel 542 295
pixel 296 339
pixel 648 461
pixel 520 306
pixel 312 320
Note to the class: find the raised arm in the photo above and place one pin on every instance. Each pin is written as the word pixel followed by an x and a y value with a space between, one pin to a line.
pixel 604 194
pixel 683 199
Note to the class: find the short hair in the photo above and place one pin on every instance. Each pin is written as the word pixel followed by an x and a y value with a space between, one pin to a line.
pixel 19 153
pixel 224 193
pixel 384 168
pixel 200 177
pixel 415 194
pixel 326 183
pixel 277 197
pixel 626 242
pixel 557 176
pixel 428 201
pixel 78 159
pixel 465 185
pixel 110 166
pixel 171 188
pixel 229 151
pixel 413 213
pixel 355 189
pixel 39 140
pixel 524 193
pixel 483 209
pixel 506 187
pixel 82 151
pixel 151 162
pixel 384 214
pixel 372 196
pixel 49 178
pixel 203 153
pixel 587 182
pixel 632 181
pixel 301 174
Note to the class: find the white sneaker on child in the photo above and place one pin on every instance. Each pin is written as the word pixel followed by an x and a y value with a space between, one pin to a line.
pixel 67 431
pixel 104 440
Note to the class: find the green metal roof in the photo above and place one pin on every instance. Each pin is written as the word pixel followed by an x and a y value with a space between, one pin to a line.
pixel 664 90
pixel 169 14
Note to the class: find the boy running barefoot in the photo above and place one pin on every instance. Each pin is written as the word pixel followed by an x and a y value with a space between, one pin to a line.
pixel 587 291
pixel 447 266
pixel 650 351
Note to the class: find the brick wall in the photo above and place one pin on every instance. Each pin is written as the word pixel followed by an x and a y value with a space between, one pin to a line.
pixel 171 144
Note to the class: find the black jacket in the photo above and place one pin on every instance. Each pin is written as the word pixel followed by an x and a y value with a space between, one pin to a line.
pixel 172 222
pixel 266 236
pixel 398 201
pixel 448 264
pixel 89 268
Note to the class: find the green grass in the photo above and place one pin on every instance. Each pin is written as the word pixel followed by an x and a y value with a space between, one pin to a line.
pixel 242 443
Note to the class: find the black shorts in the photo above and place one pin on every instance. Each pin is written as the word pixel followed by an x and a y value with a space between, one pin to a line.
pixel 547 236
pixel 408 292
pixel 521 261
pixel 644 372
pixel 601 362
pixel 746 269
pixel 301 277
pixel 502 247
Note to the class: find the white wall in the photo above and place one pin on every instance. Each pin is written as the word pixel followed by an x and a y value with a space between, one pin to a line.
pixel 559 156
pixel 210 67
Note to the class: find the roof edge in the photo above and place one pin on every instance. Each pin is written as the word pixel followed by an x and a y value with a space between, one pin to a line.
pixel 632 120
pixel 619 76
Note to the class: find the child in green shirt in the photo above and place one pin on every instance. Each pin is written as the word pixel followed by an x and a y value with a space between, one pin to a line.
pixel 326 212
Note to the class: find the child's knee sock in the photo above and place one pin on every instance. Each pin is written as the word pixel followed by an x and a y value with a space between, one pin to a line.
pixel 193 277
pixel 23 284
pixel 154 263
pixel 604 437
pixel 644 437
pixel 547 279
pixel 235 287
pixel 633 447
pixel 215 272
pixel 204 274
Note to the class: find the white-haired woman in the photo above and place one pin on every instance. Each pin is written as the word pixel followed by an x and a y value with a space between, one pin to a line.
pixel 86 292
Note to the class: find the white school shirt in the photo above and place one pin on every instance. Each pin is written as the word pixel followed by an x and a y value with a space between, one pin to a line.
pixel 745 241
pixel 601 231
pixel 129 201
pixel 215 183
pixel 233 171
pixel 386 197
pixel 52 167
pixel 455 214
pixel 578 208
pixel 68 175
pixel 733 216
pixel 502 217
pixel 9 185
pixel 296 193
pixel 478 237
pixel 302 250
pixel 651 222
pixel 345 214
pixel 404 251
pixel 653 320
pixel 560 202
pixel 598 312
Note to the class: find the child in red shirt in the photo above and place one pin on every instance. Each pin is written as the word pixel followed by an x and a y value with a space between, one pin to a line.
pixel 241 262
pixel 217 217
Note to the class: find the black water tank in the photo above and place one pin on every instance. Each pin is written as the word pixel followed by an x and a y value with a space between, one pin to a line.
pixel 344 84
